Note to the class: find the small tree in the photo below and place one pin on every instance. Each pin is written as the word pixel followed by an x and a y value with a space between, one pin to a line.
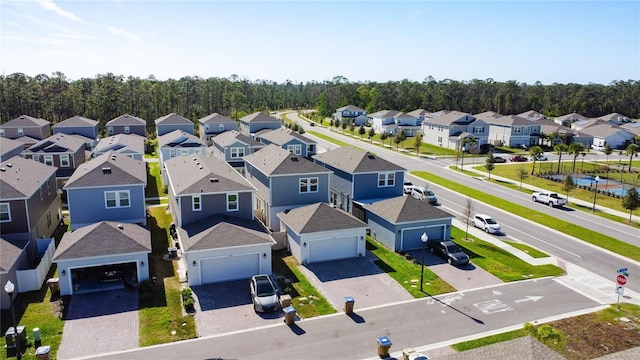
pixel 344 125
pixel 417 142
pixel 361 131
pixel 383 137
pixel 522 174
pixel 632 150
pixel 560 149
pixel 399 138
pixel 568 185
pixel 371 134
pixel 352 128
pixel 575 149
pixel 536 152
pixel 631 201
pixel 489 165
pixel 468 213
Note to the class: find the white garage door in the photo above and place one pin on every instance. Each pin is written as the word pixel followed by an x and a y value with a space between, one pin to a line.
pixel 333 249
pixel 227 268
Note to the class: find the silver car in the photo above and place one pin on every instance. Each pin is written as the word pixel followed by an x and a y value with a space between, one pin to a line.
pixel 264 294
pixel 424 194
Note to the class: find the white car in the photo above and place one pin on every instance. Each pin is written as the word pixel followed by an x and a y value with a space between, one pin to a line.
pixel 540 157
pixel 407 186
pixel 486 223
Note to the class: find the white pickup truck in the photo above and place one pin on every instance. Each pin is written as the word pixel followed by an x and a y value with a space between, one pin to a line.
pixel 549 198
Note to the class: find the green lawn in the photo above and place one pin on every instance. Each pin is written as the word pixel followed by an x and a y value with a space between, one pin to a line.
pixel 527 249
pixel 493 339
pixel 154 181
pixel 331 139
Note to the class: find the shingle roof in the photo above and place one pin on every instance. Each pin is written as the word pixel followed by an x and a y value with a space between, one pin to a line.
pixel 274 160
pixel 215 118
pixel 76 121
pixel 319 217
pixel 353 160
pixel 603 130
pixel 126 119
pixel 20 177
pixel 350 108
pixel 259 117
pixel 119 142
pixel 613 116
pixel 517 349
pixel 10 250
pixel 172 119
pixel 229 137
pixel 102 239
pixel 418 112
pixel 549 127
pixel 25 121
pixel 403 209
pixel 179 138
pixel 385 114
pixel 532 114
pixel 572 116
pixel 449 118
pixel 488 116
pixel 508 120
pixel 109 169
pixel 282 136
pixel 195 174
pixel 219 231
pixel 7 145
pixel 58 143
pixel 26 140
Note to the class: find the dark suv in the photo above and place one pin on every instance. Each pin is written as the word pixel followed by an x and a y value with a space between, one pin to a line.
pixel 449 251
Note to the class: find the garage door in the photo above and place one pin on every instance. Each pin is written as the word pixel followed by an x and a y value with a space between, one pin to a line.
pixel 411 237
pixel 227 268
pixel 333 249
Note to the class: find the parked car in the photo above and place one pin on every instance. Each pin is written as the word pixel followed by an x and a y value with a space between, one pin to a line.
pixel 449 251
pixel 312 124
pixel 597 147
pixel 518 158
pixel 424 194
pixel 486 223
pixel 264 294
pixel 407 186
pixel 487 148
pixel 498 159
pixel 111 275
pixel 549 198
pixel 540 157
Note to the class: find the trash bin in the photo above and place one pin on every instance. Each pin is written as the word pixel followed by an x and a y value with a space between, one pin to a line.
pixel 348 305
pixel 384 343
pixel 285 300
pixel 43 352
pixel 173 252
pixel 54 285
pixel 36 335
pixel 289 315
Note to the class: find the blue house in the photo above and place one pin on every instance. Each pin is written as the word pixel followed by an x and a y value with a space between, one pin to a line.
pixel 131 145
pixel 82 126
pixel 257 121
pixel 284 181
pixel 127 124
pixel 360 177
pixel 214 124
pixel 351 113
pixel 290 140
pixel 399 222
pixel 168 123
pixel 232 146
pixel 107 188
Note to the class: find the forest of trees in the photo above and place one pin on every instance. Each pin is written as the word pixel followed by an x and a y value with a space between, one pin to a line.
pixel 107 96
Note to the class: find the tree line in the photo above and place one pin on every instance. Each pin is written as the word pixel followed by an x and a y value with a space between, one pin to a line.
pixel 107 96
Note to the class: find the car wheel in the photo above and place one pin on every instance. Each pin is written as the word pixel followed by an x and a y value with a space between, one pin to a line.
pixel 534 199
pixel 486 229
pixel 550 203
pixel 449 261
pixel 431 249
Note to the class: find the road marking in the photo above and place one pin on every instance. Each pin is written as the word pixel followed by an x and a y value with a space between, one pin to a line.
pixel 492 306
pixel 496 293
pixel 546 242
pixel 529 298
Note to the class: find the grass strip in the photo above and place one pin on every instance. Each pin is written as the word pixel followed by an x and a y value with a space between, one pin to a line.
pixel 489 340
pixel 535 253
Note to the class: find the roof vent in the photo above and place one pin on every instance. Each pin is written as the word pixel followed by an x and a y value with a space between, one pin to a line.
pixel 371 157
pixel 9 165
pixel 214 179
pixel 3 169
pixel 120 226
pixel 294 159
pixel 200 167
pixel 194 158
pixel 106 170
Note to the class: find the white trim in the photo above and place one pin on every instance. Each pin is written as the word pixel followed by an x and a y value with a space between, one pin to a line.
pixel 308 185
pixel 194 203
pixel 117 199
pixel 46 158
pixel 62 163
pixel 389 178
pixel 237 201
pixel 295 149
pixel 8 212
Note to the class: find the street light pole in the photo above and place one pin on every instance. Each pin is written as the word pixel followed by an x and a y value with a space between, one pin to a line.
pixel 595 193
pixel 9 288
pixel 424 239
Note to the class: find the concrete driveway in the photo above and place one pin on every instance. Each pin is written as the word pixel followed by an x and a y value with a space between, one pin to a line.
pixel 100 322
pixel 226 307
pixel 359 278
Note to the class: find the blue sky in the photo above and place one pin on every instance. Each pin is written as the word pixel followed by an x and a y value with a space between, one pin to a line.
pixel 546 41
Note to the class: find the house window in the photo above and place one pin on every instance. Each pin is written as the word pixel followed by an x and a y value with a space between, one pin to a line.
pixel 221 127
pixel 232 202
pixel 110 130
pixel 116 199
pixel 48 218
pixel 5 212
pixel 478 129
pixel 196 203
pixel 64 160
pixel 206 127
pixel 517 130
pixel 440 139
pixel 311 148
pixel 295 149
pixel 172 153
pixel 20 132
pixel 48 160
pixel 309 185
pixel 386 179
pixel 127 130
pixel 237 152
pixel 36 157
pixel 2 132
pixel 184 152
pixel 430 126
pixel 48 187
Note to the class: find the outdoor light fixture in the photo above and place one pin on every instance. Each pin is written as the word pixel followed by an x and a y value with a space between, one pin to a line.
pixel 304 244
pixel 142 263
pixel 194 263
pixel 264 255
pixel 424 238
pixel 64 272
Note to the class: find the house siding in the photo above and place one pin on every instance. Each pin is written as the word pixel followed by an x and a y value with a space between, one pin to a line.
pixel 19 223
pixel 259 180
pixel 213 204
pixel 366 186
pixel 285 190
pixel 87 206
pixel 39 133
pixel 133 129
pixel 87 131
pixel 165 129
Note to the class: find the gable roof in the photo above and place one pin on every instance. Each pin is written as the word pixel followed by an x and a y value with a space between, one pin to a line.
pixel 633 128
pixel 274 160
pixel 7 145
pixel 259 117
pixel 220 231
pixel 229 137
pixel 319 217
pixel 487 116
pixel 215 118
pixel 179 138
pixel 198 174
pixel 10 250
pixel 76 121
pixel 173 119
pixel 126 119
pixel 350 108
pixel 20 177
pixel 451 117
pixel 353 160
pixel 418 113
pixel 549 127
pixel 58 143
pixel 119 142
pixel 510 120
pixel 385 114
pixel 614 117
pixel 103 239
pixel 282 136
pixel 109 169
pixel 24 121
pixel 604 130
pixel 403 209
pixel 573 116
pixel 532 114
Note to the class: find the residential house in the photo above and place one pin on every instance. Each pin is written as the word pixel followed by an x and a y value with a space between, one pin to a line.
pixel 420 115
pixel 512 131
pixel 290 140
pixel 214 124
pixel 78 125
pixel 532 115
pixel 615 119
pixel 127 124
pixel 632 127
pixel 352 114
pixel 607 134
pixel 131 145
pixel 102 256
pixel 407 123
pixel 28 201
pixel 107 188
pixel 231 146
pixel 359 177
pixel 284 181
pixel 257 121
pixel 448 130
pixel 552 134
pixel 26 129
pixel 581 124
pixel 212 208
pixel 384 121
pixel 320 232
pixel 568 119
pixel 178 143
pixel 9 148
pixel 169 123
pixel 14 258
pixel 399 222
pixel 65 152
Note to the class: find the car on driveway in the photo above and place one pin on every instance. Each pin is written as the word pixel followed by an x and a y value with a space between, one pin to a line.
pixel 264 293
pixel 486 223
pixel 498 159
pixel 423 194
pixel 518 158
pixel 449 251
pixel 407 186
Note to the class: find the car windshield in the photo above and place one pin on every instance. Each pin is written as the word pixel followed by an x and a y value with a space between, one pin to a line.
pixel 490 221
pixel 453 249
pixel 429 193
pixel 407 182
pixel 264 288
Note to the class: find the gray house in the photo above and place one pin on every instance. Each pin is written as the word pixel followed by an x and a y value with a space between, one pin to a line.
pixel 131 145
pixel 14 258
pixel 319 232
pixel 284 181
pixel 290 140
pixel 127 124
pixel 257 121
pixel 359 177
pixel 65 152
pixel 351 113
pixel 107 188
pixel 168 123
pixel 79 125
pixel 26 129
pixel 9 148
pixel 214 124
pixel 607 134
pixel 400 222
pixel 511 130
pixel 232 146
